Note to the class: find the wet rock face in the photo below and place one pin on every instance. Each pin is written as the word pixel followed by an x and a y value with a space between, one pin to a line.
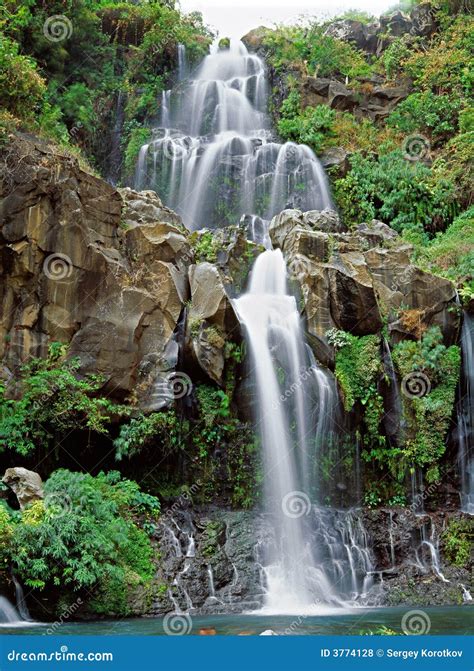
pixel 410 557
pixel 27 485
pixel 356 280
pixel 207 562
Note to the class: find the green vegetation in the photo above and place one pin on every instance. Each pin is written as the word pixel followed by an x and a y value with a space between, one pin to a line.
pixel 214 430
pixel 49 87
pixel 54 401
pixel 413 168
pixel 408 194
pixel 320 54
pixel 85 535
pixel 428 412
pixel 358 371
pixel 451 253
pixel 457 541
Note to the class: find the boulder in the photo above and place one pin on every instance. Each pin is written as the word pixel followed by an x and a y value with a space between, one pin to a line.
pixel 282 224
pixel 211 319
pixel 336 158
pixel 395 23
pixel 357 280
pixel 423 20
pixel 253 40
pixel 27 485
pixel 359 34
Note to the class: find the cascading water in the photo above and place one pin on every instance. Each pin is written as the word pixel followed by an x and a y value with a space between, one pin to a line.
pixel 466 416
pixel 213 159
pixel 317 556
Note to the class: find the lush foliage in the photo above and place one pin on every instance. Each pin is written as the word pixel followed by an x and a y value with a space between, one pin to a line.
pixel 429 113
pixel 54 401
pixel 358 371
pixel 457 541
pixel 452 253
pixel 86 535
pixel 428 414
pixel 404 193
pixel 309 127
pixel 131 48
pixel 418 195
pixel 321 54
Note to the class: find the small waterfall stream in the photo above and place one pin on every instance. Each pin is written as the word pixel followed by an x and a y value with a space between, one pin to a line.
pixel 466 416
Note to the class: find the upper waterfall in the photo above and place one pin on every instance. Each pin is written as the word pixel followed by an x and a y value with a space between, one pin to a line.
pixel 214 159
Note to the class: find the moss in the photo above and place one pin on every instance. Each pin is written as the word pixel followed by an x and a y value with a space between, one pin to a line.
pixel 358 370
pixel 428 410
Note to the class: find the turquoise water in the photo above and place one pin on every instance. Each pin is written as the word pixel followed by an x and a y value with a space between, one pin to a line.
pixel 442 620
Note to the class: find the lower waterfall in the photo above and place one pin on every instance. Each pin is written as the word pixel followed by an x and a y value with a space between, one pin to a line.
pixel 316 556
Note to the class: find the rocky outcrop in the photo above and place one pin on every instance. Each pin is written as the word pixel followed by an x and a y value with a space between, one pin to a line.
pixel 357 280
pixel 26 485
pixel 409 554
pixel 373 100
pixel 107 271
pixel 211 319
pixel 374 37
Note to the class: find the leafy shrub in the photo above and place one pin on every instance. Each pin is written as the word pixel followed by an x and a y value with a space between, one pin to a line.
pixel 22 89
pixel 436 114
pixel 396 54
pixel 54 401
pixel 83 535
pixel 457 541
pixel 157 428
pixel 358 369
pixel 311 127
pixel 451 253
pixel 137 137
pixel 401 192
pixel 323 55
pixel 444 67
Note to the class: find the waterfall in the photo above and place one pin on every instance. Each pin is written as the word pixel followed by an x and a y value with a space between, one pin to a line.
pixel 215 161
pixel 182 63
pixel 466 416
pixel 20 599
pixel 317 556
pixel 214 158
pixel 8 612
